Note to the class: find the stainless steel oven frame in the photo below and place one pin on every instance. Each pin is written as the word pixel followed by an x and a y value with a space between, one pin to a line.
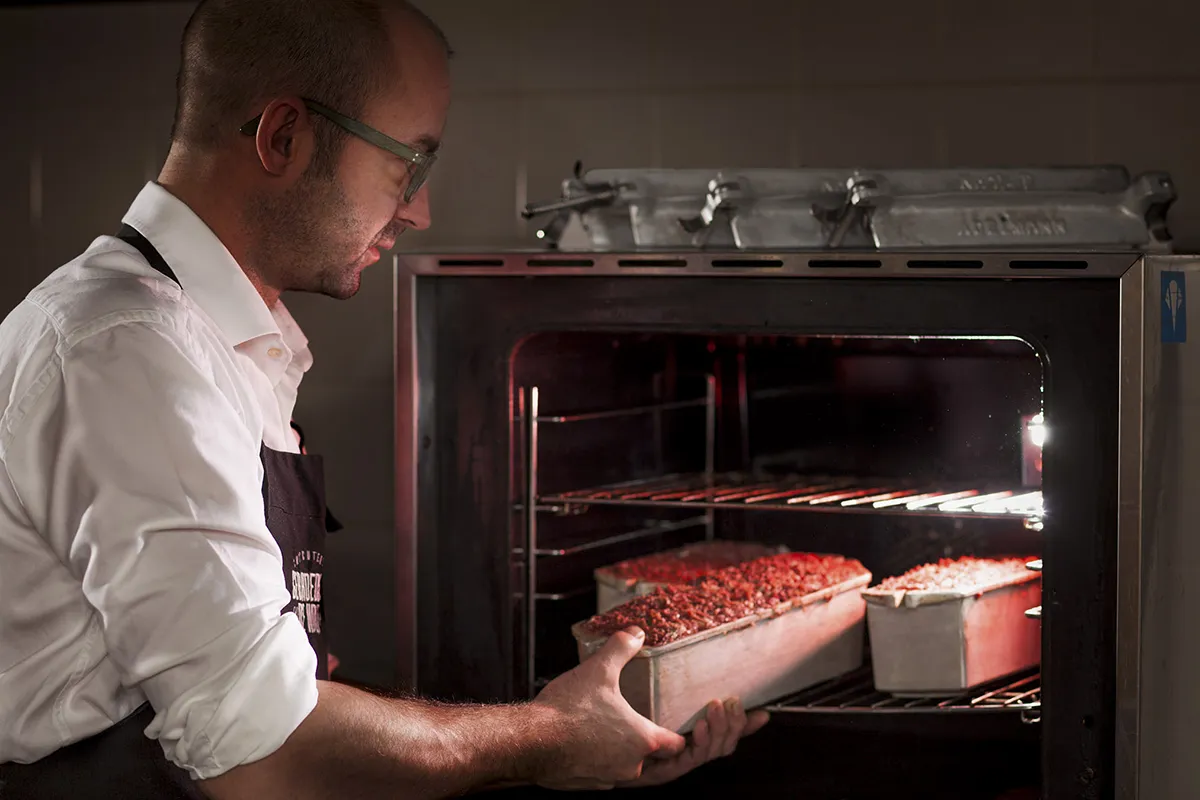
pixel 1157 655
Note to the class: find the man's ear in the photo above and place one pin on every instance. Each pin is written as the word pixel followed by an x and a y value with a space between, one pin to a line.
pixel 284 138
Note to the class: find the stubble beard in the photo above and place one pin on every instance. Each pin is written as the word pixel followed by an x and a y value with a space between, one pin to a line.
pixel 301 238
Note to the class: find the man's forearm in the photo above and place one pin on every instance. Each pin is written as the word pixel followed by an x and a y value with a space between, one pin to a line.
pixel 355 744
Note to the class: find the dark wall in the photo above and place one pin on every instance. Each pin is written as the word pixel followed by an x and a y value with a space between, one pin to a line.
pixel 88 95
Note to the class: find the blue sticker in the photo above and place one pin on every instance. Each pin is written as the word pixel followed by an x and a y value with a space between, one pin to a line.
pixel 1173 304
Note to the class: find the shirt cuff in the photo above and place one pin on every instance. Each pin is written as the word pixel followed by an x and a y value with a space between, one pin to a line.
pixel 261 701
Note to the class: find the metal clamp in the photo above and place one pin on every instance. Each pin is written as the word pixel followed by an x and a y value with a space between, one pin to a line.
pixel 1031 715
pixel 861 196
pixel 722 198
pixel 1148 198
pixel 594 196
pixel 578 198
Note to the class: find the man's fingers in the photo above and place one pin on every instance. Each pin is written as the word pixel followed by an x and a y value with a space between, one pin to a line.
pixel 755 720
pixel 700 736
pixel 715 735
pixel 718 727
pixel 667 743
pixel 736 717
pixel 620 648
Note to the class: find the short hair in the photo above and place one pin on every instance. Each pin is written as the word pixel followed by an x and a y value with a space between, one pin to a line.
pixel 237 54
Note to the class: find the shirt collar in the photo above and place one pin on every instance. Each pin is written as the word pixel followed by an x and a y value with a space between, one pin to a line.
pixel 207 271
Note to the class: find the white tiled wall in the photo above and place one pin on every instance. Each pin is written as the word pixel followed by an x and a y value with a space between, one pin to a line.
pixel 87 93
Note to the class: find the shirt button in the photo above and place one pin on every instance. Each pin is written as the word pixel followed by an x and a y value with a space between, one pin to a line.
pixel 275 352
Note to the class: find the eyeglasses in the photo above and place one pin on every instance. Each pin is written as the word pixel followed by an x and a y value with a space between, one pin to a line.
pixel 419 163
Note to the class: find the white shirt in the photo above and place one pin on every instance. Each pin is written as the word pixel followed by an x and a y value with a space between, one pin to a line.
pixel 135 562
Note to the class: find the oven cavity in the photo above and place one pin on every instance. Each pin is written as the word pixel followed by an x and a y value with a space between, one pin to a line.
pixel 896 451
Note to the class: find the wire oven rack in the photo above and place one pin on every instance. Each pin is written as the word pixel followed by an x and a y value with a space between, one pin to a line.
pixel 808 493
pixel 855 692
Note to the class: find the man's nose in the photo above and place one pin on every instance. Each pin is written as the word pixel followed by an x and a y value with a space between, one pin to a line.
pixel 415 214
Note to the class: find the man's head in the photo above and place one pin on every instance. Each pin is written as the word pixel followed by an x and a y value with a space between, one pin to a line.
pixel 267 90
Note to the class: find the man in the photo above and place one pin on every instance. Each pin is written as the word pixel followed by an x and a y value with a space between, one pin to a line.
pixel 153 495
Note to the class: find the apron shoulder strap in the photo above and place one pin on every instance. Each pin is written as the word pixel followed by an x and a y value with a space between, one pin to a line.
pixel 130 235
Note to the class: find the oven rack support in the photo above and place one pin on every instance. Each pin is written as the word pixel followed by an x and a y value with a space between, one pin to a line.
pixel 531 505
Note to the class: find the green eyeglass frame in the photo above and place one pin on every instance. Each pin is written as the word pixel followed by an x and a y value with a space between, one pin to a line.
pixel 419 163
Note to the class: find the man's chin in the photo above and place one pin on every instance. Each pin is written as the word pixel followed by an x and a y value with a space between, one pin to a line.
pixel 341 291
pixel 345 287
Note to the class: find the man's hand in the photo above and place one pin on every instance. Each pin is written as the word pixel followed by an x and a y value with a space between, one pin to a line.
pixel 716 735
pixel 608 744
pixel 604 740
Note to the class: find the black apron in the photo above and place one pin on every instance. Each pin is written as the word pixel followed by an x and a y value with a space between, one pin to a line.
pixel 122 762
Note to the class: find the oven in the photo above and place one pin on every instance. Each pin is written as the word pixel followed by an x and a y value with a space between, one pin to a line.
pixel 559 412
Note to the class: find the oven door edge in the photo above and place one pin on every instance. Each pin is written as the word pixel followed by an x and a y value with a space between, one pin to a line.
pixel 1158 652
pixel 1129 530
pixel 406 385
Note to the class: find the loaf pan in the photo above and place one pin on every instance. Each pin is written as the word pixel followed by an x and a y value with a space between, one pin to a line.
pixel 612 590
pixel 944 642
pixel 758 659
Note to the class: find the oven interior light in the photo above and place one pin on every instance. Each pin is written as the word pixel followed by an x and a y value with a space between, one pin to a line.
pixel 1037 431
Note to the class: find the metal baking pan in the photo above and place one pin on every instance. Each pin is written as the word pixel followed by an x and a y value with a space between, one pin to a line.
pixel 614 590
pixel 758 659
pixel 943 643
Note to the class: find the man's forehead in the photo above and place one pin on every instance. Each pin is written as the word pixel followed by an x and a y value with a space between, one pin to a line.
pixel 414 104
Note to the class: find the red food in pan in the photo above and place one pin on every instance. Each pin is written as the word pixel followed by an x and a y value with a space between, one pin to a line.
pixel 726 595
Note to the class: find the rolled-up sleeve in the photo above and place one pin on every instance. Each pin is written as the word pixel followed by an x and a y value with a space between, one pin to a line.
pixel 158 477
